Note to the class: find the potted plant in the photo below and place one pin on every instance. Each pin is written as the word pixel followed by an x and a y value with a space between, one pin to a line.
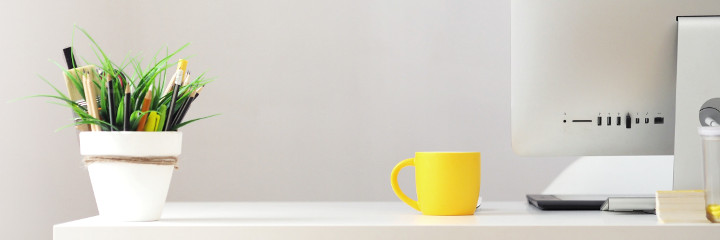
pixel 128 127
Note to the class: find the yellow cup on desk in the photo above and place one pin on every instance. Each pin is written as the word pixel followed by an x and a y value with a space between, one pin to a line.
pixel 447 183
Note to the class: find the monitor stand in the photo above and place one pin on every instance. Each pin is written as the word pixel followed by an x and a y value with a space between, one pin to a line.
pixel 698 58
pixel 589 181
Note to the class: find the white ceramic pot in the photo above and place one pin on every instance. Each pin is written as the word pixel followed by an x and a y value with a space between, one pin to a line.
pixel 130 191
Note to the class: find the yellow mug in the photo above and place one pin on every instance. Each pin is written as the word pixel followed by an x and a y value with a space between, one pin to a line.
pixel 447 183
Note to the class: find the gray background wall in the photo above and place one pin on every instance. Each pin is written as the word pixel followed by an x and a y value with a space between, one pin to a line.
pixel 320 99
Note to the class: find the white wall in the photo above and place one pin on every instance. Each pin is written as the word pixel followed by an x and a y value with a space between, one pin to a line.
pixel 320 99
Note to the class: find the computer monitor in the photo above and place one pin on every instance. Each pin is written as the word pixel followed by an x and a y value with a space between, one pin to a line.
pixel 595 77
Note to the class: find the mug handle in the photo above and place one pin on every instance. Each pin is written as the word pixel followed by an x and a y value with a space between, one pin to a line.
pixel 396 186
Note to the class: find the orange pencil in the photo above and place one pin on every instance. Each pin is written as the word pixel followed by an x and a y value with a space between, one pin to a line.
pixel 145 107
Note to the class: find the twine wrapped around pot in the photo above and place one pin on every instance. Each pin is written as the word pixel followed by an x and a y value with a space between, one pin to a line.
pixel 160 160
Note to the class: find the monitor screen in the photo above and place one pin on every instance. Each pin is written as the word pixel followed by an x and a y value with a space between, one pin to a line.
pixel 595 77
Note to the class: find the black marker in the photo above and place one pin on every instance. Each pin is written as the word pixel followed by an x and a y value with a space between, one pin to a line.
pixel 70 58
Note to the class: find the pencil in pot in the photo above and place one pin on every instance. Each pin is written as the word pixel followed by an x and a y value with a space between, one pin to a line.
pixel 185 107
pixel 127 108
pixel 182 68
pixel 145 108
pixel 111 100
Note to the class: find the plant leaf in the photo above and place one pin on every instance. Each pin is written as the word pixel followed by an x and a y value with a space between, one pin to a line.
pixel 176 127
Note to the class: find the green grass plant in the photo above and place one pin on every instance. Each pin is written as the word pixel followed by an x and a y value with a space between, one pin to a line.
pixel 154 74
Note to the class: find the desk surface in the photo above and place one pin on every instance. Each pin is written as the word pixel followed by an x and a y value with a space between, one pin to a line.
pixel 377 220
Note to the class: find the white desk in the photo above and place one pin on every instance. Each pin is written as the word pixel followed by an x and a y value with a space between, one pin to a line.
pixel 377 220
